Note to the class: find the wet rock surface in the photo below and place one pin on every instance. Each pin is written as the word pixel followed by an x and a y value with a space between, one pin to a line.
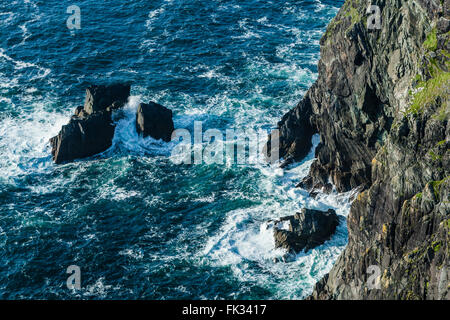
pixel 307 229
pixel 83 137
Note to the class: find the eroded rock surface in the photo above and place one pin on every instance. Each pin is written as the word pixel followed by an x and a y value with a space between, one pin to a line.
pixel 306 230
pixel 83 137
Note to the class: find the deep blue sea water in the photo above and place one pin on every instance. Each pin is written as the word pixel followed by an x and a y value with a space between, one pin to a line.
pixel 139 226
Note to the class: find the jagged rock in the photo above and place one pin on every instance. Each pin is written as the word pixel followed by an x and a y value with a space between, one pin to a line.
pixel 101 97
pixel 318 183
pixel 78 111
pixel 82 138
pixel 90 130
pixel 154 120
pixel 307 230
pixel 295 133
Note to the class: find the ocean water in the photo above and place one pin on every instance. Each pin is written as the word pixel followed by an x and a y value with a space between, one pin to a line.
pixel 138 225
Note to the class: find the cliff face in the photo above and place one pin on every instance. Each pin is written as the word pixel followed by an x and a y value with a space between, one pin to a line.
pixel 381 107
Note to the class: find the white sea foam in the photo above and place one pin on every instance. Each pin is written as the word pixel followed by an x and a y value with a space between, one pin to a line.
pixel 34 17
pixel 154 14
pixel 126 138
pixel 24 141
pixel 111 192
pixel 6 100
pixel 246 236
pixel 6 17
pixel 248 31
pixel 19 65
pixel 262 20
pixel 100 289
pixel 135 253
pixel 24 146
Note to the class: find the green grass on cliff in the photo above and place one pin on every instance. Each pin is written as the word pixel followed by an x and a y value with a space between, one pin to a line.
pixel 348 10
pixel 436 245
pixel 431 41
pixel 434 156
pixel 354 15
pixel 438 85
pixel 429 91
pixel 443 113
pixel 438 184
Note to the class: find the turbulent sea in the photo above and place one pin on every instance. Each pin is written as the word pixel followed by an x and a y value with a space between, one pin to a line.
pixel 138 225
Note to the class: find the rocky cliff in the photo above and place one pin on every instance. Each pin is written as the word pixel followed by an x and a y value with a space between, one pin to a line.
pixel 381 107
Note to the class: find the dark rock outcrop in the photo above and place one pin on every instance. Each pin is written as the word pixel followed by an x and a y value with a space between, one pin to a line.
pixel 307 230
pixel 90 130
pixel 381 107
pixel 83 137
pixel 101 97
pixel 295 133
pixel 154 120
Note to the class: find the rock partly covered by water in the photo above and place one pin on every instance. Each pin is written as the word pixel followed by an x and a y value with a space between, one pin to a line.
pixel 83 137
pixel 154 120
pixel 305 230
pixel 90 130
pixel 381 107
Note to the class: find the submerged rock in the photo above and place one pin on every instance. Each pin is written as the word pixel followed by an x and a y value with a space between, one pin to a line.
pixel 90 130
pixel 154 120
pixel 305 230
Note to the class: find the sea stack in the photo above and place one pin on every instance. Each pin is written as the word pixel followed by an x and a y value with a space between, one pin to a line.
pixel 90 130
pixel 100 98
pixel 154 120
